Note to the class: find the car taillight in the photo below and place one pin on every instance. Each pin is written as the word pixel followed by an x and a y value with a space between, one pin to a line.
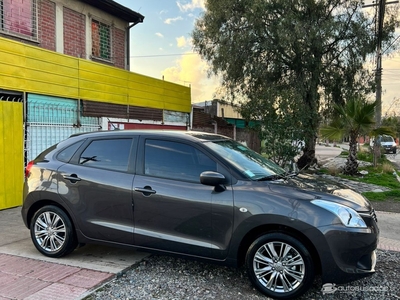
pixel 28 168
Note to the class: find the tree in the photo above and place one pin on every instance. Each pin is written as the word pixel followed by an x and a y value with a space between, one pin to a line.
pixel 283 57
pixel 356 117
pixel 394 123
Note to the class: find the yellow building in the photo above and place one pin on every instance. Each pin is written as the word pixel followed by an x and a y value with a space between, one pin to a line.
pixel 64 71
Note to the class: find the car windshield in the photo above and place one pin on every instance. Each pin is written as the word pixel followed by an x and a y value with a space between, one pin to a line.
pixel 250 163
pixel 386 139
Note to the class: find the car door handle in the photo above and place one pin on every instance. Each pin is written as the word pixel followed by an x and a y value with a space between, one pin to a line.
pixel 147 190
pixel 73 178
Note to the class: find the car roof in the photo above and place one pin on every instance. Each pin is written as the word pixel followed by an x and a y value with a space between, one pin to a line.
pixel 190 135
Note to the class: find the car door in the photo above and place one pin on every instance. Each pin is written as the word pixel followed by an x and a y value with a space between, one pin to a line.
pixel 173 211
pixel 97 187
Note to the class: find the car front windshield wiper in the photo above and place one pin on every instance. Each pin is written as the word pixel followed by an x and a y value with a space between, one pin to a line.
pixel 272 177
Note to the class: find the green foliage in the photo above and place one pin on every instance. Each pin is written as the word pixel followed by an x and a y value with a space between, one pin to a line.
pixel 368 156
pixel 280 151
pixel 281 57
pixel 379 176
pixel 382 175
pixel 353 118
pixel 393 123
pixel 381 179
pixel 365 156
pixel 393 195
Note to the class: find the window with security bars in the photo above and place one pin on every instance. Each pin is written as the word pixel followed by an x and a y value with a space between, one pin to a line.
pixel 101 40
pixel 18 17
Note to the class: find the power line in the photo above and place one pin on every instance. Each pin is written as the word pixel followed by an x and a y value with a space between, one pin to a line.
pixel 162 55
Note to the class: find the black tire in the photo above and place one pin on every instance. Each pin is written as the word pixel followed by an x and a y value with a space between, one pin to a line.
pixel 394 151
pixel 278 277
pixel 52 232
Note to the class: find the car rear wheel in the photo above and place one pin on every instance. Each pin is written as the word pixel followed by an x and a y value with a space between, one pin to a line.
pixel 279 266
pixel 52 232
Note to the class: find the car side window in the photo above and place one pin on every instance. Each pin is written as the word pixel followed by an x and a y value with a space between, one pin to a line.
pixel 66 154
pixel 111 154
pixel 175 160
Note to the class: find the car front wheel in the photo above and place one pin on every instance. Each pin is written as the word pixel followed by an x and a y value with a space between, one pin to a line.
pixel 52 232
pixel 279 266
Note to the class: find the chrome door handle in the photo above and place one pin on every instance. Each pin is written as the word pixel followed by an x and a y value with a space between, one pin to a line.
pixel 73 178
pixel 147 190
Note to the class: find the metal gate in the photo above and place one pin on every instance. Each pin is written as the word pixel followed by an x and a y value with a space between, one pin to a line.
pixel 51 120
pixel 11 150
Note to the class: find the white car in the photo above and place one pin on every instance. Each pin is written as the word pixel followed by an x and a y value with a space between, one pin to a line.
pixel 387 142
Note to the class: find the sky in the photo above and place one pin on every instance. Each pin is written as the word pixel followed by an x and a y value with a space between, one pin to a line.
pixel 161 47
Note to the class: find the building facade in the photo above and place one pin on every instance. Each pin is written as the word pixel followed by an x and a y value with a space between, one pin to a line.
pixel 65 69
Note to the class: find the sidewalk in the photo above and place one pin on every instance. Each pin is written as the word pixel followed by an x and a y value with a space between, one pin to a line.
pixel 26 274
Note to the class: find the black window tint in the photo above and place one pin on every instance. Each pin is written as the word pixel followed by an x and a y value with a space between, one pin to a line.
pixel 66 154
pixel 175 161
pixel 112 154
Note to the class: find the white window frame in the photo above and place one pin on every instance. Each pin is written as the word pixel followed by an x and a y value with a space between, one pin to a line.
pixel 35 33
pixel 110 25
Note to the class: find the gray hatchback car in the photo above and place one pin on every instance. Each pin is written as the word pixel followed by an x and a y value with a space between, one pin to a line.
pixel 203 196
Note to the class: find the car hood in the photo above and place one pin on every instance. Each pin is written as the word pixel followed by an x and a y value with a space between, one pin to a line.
pixel 323 188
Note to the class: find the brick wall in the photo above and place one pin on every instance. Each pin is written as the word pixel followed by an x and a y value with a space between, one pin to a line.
pixel 74 30
pixel 74 33
pixel 47 25
pixel 119 48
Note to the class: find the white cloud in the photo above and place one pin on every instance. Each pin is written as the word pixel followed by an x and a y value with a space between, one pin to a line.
pixel 183 42
pixel 171 20
pixel 191 69
pixel 191 5
pixel 159 35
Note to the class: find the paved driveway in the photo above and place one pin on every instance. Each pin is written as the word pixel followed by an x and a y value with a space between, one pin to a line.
pixel 26 274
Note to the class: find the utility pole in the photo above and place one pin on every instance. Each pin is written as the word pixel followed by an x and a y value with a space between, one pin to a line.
pixel 381 16
pixel 378 75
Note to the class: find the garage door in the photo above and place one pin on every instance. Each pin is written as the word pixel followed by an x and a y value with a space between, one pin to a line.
pixel 11 151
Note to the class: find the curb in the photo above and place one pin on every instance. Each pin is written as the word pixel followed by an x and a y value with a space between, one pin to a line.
pixel 388 244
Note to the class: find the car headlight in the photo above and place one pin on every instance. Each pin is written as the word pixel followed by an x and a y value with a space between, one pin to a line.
pixel 348 216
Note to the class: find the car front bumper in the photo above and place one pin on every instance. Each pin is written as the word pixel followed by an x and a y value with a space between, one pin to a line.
pixel 348 254
pixel 390 148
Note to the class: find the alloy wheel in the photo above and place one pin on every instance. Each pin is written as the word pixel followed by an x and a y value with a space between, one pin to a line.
pixel 279 267
pixel 50 231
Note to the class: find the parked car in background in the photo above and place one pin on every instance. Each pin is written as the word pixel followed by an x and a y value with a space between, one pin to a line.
pixel 387 142
pixel 202 196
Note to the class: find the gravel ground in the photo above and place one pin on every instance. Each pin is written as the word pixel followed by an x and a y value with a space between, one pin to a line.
pixel 164 277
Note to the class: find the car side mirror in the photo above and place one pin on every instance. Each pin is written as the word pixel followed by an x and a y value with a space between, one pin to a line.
pixel 214 179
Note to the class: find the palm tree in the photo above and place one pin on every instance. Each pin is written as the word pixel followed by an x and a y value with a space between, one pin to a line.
pixel 352 119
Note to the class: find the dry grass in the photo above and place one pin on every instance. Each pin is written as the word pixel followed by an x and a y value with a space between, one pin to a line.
pixel 387 168
pixel 334 171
